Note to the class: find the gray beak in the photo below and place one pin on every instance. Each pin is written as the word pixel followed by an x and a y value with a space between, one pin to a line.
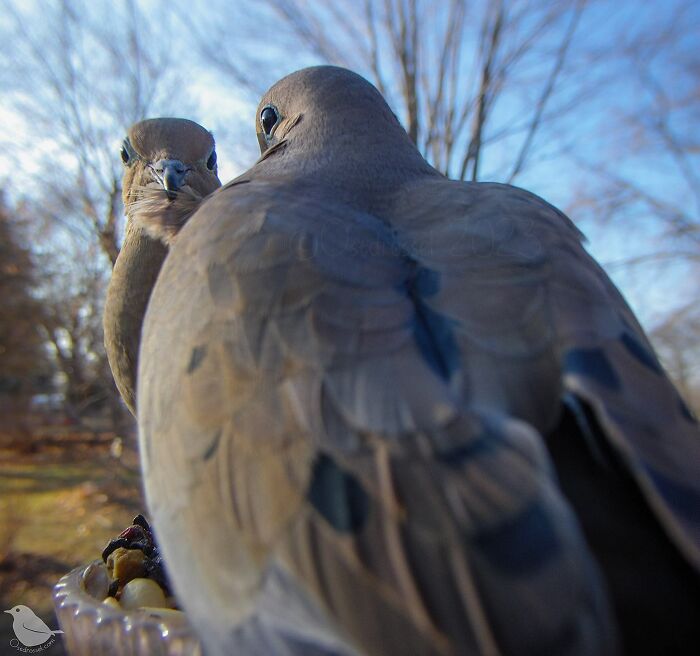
pixel 172 175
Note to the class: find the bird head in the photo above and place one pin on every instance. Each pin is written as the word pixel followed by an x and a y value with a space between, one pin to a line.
pixel 169 166
pixel 337 127
pixel 19 610
pixel 330 100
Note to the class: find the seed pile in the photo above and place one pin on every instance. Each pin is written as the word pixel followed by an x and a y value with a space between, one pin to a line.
pixel 135 576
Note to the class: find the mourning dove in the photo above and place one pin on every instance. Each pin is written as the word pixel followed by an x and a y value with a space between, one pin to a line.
pixel 354 380
pixel 169 166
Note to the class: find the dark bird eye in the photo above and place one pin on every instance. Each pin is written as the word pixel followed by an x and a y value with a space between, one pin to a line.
pixel 268 119
pixel 211 162
pixel 125 154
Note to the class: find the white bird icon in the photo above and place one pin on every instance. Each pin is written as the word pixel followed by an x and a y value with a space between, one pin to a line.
pixel 29 628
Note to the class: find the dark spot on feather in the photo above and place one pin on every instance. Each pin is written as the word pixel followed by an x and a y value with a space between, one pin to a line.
pixel 432 331
pixel 592 363
pixel 198 353
pixel 523 544
pixel 681 497
pixel 687 412
pixel 426 282
pixel 582 423
pixel 460 454
pixel 648 359
pixel 211 449
pixel 433 335
pixel 338 496
pixel 434 338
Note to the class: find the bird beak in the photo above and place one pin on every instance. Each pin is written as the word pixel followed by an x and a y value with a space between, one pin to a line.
pixel 7 611
pixel 172 174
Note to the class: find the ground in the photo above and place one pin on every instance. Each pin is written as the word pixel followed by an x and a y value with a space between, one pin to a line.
pixel 64 493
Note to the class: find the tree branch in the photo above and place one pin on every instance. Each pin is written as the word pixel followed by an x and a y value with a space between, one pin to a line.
pixel 547 90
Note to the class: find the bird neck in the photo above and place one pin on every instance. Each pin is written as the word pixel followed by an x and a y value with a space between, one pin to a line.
pixel 133 277
pixel 337 160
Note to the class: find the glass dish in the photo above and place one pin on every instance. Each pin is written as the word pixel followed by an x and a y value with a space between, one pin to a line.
pixel 91 627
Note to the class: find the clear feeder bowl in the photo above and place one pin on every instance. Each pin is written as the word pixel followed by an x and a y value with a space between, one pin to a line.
pixel 91 627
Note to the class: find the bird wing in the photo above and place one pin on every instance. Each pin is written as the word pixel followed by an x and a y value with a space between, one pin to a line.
pixel 35 624
pixel 317 481
pixel 533 313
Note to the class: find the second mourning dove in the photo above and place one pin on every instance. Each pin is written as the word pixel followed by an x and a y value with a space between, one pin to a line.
pixel 169 166
pixel 383 412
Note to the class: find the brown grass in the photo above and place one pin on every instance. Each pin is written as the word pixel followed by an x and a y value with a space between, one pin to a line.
pixel 62 497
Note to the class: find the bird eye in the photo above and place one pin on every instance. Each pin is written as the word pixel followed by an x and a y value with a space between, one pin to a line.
pixel 269 119
pixel 127 153
pixel 211 162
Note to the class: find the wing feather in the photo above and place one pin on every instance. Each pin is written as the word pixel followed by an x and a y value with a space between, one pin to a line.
pixel 304 407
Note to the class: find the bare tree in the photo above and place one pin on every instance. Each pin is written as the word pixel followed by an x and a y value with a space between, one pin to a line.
pixel 79 78
pixel 678 340
pixel 647 172
pixel 25 366
pixel 446 68
pixel 72 324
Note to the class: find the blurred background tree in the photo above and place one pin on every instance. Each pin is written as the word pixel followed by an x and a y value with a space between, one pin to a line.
pixel 463 76
pixel 25 364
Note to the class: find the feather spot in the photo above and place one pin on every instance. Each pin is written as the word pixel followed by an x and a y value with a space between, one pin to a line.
pixel 460 454
pixel 432 331
pixel 196 358
pixel 648 359
pixel 682 498
pixel 211 449
pixel 593 364
pixel 435 340
pixel 521 545
pixel 426 282
pixel 337 496
pixel 686 411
